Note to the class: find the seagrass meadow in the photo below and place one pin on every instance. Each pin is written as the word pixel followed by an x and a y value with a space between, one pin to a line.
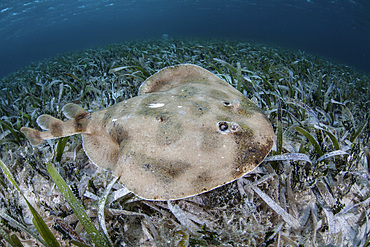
pixel 311 190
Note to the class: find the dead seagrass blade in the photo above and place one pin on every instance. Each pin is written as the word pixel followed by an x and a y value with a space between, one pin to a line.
pixel 187 132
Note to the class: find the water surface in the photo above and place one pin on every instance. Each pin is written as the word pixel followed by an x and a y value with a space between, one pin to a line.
pixel 33 30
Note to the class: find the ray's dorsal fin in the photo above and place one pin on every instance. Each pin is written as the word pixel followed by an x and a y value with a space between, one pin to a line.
pixel 46 122
pixel 55 128
pixel 177 75
pixel 72 111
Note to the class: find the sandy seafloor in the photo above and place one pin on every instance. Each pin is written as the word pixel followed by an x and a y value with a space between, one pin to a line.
pixel 312 190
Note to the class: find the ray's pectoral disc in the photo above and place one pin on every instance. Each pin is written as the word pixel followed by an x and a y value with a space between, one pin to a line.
pixel 186 132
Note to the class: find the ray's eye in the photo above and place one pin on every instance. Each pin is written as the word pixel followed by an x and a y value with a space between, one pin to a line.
pixel 226 103
pixel 223 126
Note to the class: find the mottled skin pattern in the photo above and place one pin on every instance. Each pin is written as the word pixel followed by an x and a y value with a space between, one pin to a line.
pixel 186 133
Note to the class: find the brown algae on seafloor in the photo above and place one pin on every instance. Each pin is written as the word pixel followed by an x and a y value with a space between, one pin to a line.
pixel 171 141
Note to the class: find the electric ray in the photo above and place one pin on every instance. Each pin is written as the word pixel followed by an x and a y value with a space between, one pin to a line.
pixel 187 132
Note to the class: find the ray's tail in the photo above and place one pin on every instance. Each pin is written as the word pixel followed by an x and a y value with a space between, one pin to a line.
pixel 55 128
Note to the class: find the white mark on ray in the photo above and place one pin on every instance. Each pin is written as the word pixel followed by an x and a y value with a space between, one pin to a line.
pixel 182 112
pixel 156 105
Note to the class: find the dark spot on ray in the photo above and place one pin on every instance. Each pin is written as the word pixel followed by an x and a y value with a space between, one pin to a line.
pixel 169 131
pixel 163 169
pixel 56 128
pixel 80 121
pixel 117 132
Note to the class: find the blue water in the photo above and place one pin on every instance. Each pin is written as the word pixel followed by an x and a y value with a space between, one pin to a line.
pixel 33 30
